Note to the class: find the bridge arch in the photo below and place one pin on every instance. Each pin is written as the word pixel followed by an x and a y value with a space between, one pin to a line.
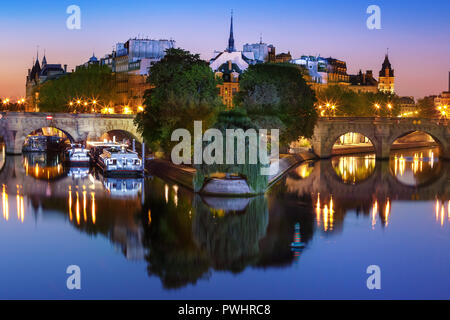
pixel 435 136
pixel 15 126
pixel 323 146
pixel 382 132
pixel 21 136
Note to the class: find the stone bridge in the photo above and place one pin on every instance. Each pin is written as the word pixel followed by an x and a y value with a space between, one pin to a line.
pixel 15 126
pixel 382 132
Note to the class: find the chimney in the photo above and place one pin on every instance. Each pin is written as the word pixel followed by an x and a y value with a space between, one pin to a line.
pixel 65 68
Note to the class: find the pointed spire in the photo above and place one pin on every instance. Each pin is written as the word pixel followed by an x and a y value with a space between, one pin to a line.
pixel 44 60
pixel 231 47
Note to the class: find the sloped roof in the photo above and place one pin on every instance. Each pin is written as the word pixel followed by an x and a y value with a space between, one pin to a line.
pixel 236 57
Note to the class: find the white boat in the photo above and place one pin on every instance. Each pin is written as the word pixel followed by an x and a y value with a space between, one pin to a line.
pixel 78 172
pixel 119 187
pixel 120 161
pixel 78 155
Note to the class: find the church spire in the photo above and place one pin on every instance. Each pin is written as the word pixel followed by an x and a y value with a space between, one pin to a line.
pixel 231 47
pixel 44 60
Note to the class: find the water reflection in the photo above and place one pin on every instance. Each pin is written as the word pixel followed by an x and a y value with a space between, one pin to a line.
pixel 184 238
pixel 415 167
pixel 354 169
pixel 42 165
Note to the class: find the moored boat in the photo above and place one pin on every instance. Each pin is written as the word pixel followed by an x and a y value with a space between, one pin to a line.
pixel 77 155
pixel 120 161
pixel 41 143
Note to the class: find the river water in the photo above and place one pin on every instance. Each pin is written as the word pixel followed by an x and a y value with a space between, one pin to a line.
pixel 151 239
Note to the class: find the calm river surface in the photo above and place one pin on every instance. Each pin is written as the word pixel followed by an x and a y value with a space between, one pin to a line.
pixel 151 239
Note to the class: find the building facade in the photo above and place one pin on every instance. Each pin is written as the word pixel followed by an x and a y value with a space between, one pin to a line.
pixel 321 72
pixel 386 81
pixel 442 102
pixel 38 75
pixel 408 107
pixel 131 62
pixel 262 52
pixel 363 82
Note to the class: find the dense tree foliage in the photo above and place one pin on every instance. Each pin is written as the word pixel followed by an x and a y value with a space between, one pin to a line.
pixel 427 108
pixel 185 90
pixel 235 119
pixel 92 82
pixel 277 96
pixel 349 103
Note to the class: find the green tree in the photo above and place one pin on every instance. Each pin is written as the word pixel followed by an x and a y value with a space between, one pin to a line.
pixel 277 96
pixel 185 90
pixel 87 83
pixel 349 103
pixel 427 108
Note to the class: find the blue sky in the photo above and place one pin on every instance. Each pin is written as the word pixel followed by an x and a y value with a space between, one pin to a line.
pixel 416 33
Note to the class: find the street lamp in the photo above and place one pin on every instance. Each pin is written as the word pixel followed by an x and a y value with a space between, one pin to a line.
pixel 390 109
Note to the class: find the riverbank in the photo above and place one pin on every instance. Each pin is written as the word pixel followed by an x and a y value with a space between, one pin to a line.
pixel 184 175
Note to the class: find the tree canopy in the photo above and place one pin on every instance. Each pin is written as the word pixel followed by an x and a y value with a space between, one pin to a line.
pixel 185 90
pixel 277 96
pixel 91 82
pixel 349 103
pixel 427 108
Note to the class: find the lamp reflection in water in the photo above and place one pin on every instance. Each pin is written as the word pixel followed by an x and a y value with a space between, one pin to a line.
pixel 418 163
pixel 386 212
pixel 85 206
pixel 94 217
pixel 5 204
pixel 175 197
pixel 440 211
pixel 20 205
pixel 353 169
pixel 325 213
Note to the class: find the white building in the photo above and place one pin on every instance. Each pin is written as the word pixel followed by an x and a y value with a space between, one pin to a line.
pixel 260 50
pixel 316 67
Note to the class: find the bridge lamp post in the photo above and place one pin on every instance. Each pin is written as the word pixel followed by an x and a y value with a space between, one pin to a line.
pixel 390 109
pixel 377 107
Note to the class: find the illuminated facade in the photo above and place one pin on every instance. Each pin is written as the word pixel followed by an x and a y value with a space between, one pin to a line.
pixel 386 82
pixel 320 72
pixel 408 107
pixel 442 102
pixel 131 62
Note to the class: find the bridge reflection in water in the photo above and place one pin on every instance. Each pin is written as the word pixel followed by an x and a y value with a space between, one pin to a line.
pixel 183 237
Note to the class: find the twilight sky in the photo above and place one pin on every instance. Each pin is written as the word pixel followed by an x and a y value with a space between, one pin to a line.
pixel 417 33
